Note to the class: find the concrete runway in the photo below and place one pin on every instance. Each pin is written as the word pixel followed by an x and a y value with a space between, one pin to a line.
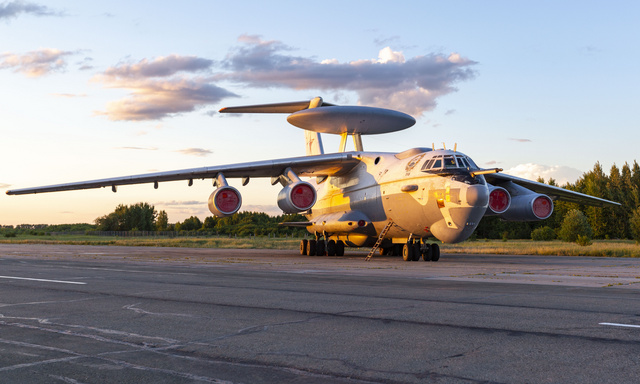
pixel 87 314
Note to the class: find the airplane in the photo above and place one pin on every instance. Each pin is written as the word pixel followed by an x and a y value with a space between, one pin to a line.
pixel 393 203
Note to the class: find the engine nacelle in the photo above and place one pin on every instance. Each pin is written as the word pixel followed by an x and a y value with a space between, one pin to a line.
pixel 529 207
pixel 297 197
pixel 225 201
pixel 499 201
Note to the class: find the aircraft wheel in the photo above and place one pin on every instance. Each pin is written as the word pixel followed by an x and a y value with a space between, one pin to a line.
pixel 303 247
pixel 407 252
pixel 340 248
pixel 311 248
pixel 383 251
pixel 331 248
pixel 320 248
pixel 426 254
pixel 435 252
pixel 416 251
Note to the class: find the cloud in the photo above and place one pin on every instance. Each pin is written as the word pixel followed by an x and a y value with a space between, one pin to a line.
pixel 69 95
pixel 36 63
pixel 520 140
pixel 562 174
pixel 9 10
pixel 411 85
pixel 4 186
pixel 195 152
pixel 160 88
pixel 174 203
pixel 139 148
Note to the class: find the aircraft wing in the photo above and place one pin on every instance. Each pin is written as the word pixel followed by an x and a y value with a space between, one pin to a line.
pixel 320 165
pixel 555 193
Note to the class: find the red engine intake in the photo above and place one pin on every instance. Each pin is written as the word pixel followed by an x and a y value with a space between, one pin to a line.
pixel 499 201
pixel 297 197
pixel 225 201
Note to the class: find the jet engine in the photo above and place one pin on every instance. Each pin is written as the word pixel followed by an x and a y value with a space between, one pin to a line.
pixel 297 197
pixel 499 201
pixel 530 207
pixel 225 201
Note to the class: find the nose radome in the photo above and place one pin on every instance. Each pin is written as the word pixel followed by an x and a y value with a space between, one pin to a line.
pixel 477 195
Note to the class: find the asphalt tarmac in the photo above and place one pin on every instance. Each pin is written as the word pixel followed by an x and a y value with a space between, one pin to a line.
pixel 87 314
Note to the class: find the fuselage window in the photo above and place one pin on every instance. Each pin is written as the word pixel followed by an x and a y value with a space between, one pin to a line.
pixel 437 163
pixel 462 162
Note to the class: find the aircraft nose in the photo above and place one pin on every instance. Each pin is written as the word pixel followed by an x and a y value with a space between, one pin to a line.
pixel 477 196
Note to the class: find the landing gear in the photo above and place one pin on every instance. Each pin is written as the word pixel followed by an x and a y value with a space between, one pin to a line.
pixel 407 252
pixel 435 252
pixel 331 248
pixel 413 251
pixel 320 248
pixel 303 246
pixel 311 248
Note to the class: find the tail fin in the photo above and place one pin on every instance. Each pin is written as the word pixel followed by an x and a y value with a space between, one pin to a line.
pixel 313 143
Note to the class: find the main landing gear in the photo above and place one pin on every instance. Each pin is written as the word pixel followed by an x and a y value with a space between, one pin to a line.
pixel 322 247
pixel 413 251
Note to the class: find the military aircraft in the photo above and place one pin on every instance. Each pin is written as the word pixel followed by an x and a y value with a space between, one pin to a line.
pixel 391 202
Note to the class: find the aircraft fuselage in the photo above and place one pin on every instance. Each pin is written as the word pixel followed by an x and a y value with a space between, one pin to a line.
pixel 394 187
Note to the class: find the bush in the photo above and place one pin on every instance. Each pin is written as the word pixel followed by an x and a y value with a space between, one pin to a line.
pixel 545 233
pixel 583 240
pixel 575 224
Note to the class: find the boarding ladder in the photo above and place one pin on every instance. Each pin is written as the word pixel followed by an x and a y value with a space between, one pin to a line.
pixel 379 241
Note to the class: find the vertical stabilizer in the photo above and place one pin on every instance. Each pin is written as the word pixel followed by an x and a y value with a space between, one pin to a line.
pixel 313 143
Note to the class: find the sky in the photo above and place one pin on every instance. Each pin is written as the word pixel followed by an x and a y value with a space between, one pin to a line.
pixel 91 90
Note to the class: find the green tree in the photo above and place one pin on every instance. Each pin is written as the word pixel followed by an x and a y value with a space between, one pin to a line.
pixel 634 223
pixel 575 225
pixel 162 222
pixel 190 224
pixel 140 216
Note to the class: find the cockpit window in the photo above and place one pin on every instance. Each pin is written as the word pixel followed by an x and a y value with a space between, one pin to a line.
pixel 448 162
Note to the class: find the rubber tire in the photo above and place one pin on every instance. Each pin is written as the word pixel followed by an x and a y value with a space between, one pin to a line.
pixel 426 254
pixel 320 248
pixel 311 248
pixel 435 252
pixel 407 252
pixel 303 246
pixel 416 251
pixel 331 248
pixel 340 248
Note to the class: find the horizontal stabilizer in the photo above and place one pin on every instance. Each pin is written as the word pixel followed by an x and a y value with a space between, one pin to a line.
pixel 289 107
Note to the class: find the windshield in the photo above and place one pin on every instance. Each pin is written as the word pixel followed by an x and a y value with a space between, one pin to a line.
pixel 440 162
pixel 457 166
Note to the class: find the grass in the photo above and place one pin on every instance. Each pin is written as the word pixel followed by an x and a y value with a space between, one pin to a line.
pixel 599 248
pixel 186 242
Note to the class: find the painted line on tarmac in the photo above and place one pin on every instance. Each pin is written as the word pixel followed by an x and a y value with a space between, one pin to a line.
pixel 621 325
pixel 43 280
